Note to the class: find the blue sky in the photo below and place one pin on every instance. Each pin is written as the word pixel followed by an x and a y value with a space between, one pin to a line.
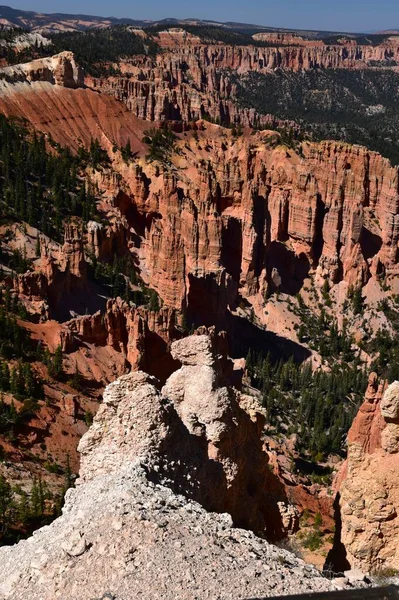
pixel 344 15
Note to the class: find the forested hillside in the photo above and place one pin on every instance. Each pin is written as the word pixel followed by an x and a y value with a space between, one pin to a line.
pixel 358 107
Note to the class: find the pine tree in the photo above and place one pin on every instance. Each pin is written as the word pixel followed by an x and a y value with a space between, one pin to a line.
pixel 28 381
pixel 14 382
pixel 56 367
pixel 4 377
pixel 6 497
pixel 357 301
pixel 127 151
pixel 36 499
pixel 23 509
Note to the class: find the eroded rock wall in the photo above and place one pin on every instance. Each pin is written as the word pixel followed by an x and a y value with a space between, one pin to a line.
pixel 142 336
pixel 243 210
pixel 369 497
pixel 60 69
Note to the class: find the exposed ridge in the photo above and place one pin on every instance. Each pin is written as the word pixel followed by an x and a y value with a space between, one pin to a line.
pixel 124 531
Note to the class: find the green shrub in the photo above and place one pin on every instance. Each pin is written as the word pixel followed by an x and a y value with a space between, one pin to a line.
pixel 312 540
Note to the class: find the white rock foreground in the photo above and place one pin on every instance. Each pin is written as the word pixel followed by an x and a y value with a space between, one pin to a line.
pixel 123 536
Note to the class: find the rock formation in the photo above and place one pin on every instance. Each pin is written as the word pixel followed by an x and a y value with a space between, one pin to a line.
pixel 213 451
pixel 124 532
pixel 122 536
pixel 282 38
pixel 60 272
pixel 249 209
pixel 60 69
pixel 140 335
pixel 369 496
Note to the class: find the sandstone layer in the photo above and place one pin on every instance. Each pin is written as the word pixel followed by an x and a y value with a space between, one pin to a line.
pixel 124 532
pixel 72 117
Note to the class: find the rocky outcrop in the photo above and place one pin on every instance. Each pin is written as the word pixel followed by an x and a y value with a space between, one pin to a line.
pixel 286 38
pixel 228 426
pixel 72 260
pixel 122 536
pixel 176 37
pixel 26 40
pixel 369 423
pixel 143 337
pixel 369 498
pixel 60 271
pixel 211 446
pixel 60 69
pixel 124 530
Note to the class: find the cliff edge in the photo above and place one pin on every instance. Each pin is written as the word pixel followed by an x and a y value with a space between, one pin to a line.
pixel 126 532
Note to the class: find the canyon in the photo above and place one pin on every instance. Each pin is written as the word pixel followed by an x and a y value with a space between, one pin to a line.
pixel 230 232
pixel 228 225
pixel 193 79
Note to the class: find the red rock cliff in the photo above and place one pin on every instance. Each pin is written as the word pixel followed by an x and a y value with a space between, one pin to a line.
pixel 240 208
